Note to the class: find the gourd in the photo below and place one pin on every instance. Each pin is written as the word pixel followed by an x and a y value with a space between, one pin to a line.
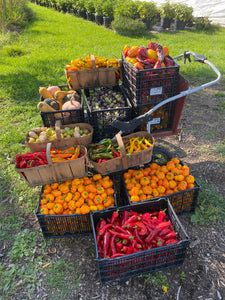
pixel 53 103
pixel 45 93
pixel 59 95
pixel 70 105
pixel 52 89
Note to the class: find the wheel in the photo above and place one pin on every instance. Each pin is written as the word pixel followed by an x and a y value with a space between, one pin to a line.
pixel 160 155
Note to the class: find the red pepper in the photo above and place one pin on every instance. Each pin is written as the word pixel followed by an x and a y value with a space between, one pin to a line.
pixel 22 164
pixel 114 217
pixel 117 255
pixel 152 235
pixel 121 229
pixel 113 245
pixel 163 225
pixel 132 247
pixel 121 235
pixel 164 232
pixel 159 242
pixel 106 243
pixel 162 215
pixel 132 219
pixel 104 228
pixel 100 225
pixel 125 249
pixel 119 246
pixel 138 238
pixel 169 242
pixel 171 235
pixel 142 227
pixel 125 216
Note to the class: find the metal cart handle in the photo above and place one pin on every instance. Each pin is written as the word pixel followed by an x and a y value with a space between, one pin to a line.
pixel 128 127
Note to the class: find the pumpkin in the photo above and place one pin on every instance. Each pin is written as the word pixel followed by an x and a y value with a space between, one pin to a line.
pixel 71 105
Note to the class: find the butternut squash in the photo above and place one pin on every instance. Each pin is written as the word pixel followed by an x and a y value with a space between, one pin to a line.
pixel 59 95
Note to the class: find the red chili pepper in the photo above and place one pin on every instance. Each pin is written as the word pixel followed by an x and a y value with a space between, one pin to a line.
pixel 104 228
pixel 164 232
pixel 149 225
pixel 152 235
pixel 114 217
pixel 163 225
pixel 106 243
pixel 100 224
pixel 117 255
pixel 138 238
pixel 162 215
pixel 169 242
pixel 22 164
pixel 171 235
pixel 159 242
pixel 131 226
pixel 142 227
pixel 119 246
pixel 125 216
pixel 121 235
pixel 125 249
pixel 131 249
pixel 113 245
pixel 132 219
pixel 121 229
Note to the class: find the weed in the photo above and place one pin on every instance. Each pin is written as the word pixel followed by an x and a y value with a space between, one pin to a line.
pixel 219 94
pixel 182 276
pixel 63 278
pixel 13 51
pixel 158 279
pixel 210 207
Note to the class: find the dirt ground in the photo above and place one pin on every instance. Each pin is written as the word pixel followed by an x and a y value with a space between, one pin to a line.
pixel 202 275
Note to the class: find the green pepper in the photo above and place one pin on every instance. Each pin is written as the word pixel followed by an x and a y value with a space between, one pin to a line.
pixel 97 156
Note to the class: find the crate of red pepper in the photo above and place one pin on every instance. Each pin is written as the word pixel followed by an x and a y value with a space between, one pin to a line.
pixel 52 164
pixel 132 241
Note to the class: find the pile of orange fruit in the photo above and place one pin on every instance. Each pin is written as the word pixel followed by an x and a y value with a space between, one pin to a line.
pixel 77 196
pixel 156 181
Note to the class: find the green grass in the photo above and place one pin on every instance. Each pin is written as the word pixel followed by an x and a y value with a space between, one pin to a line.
pixel 36 57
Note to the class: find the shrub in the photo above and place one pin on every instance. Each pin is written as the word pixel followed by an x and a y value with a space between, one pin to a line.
pixel 147 10
pixel 90 6
pixel 108 8
pixel 202 23
pixel 167 10
pixel 183 12
pixel 127 8
pixel 128 26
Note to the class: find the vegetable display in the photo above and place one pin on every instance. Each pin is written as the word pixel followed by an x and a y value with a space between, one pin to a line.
pixel 137 144
pixel 155 180
pixel 130 232
pixel 77 196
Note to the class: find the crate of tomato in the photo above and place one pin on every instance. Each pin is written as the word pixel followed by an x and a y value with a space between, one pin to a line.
pixel 135 240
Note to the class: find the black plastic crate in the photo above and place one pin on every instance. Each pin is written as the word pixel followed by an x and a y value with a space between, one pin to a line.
pixel 150 85
pixel 146 261
pixel 101 119
pixel 66 116
pixel 183 202
pixel 160 121
pixel 59 226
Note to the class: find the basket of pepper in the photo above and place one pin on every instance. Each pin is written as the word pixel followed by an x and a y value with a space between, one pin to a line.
pixel 93 71
pixel 135 240
pixel 112 156
pixel 52 164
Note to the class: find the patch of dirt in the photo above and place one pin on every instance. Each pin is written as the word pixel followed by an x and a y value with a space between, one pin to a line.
pixel 202 275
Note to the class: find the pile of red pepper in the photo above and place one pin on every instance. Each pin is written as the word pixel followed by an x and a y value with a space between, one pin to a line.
pixel 103 151
pixel 130 232
pixel 30 160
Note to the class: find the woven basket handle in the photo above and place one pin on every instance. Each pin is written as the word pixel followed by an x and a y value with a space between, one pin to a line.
pixel 93 61
pixel 48 153
pixel 57 128
pixel 122 151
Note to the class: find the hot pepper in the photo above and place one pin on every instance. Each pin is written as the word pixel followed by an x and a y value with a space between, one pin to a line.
pixel 97 156
pixel 106 244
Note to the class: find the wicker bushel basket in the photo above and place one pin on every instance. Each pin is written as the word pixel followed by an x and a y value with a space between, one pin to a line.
pixel 60 142
pixel 124 161
pixel 92 78
pixel 55 172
